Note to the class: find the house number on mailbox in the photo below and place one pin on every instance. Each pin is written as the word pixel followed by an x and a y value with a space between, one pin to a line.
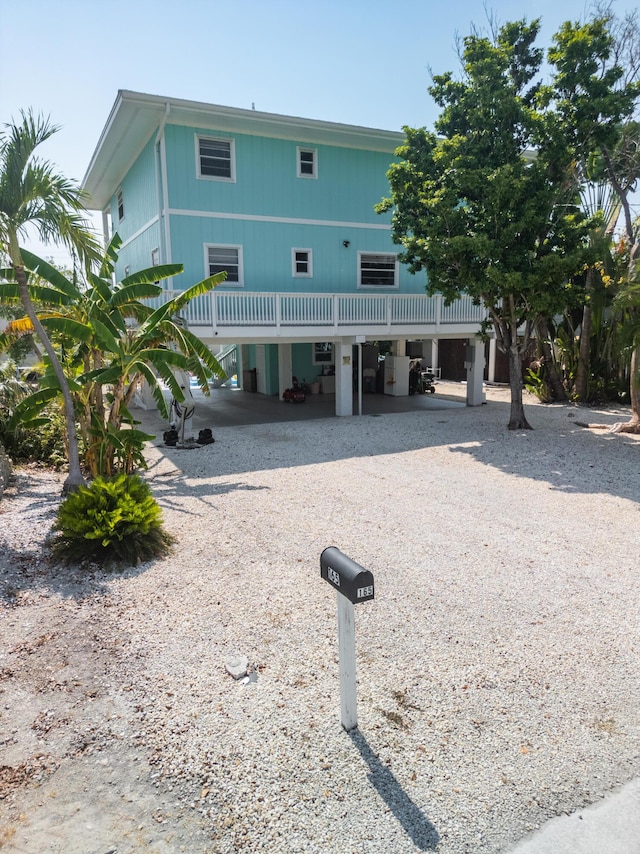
pixel 333 576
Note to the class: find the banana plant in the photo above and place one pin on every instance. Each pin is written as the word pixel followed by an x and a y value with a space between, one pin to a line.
pixel 33 195
pixel 112 341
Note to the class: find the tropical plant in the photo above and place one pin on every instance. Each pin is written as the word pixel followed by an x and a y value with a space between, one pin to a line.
pixel 113 340
pixel 33 194
pixel 24 345
pixel 112 522
pixel 473 205
pixel 618 151
pixel 43 444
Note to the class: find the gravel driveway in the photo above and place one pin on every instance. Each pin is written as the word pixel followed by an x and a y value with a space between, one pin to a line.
pixel 497 665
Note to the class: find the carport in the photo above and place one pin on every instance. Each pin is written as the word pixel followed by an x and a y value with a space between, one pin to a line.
pixel 229 407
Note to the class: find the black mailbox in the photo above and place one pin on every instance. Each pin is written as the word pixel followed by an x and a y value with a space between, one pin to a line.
pixel 347 576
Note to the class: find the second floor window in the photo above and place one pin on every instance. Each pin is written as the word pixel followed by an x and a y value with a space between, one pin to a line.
pixel 227 258
pixel 120 202
pixel 307 163
pixel 216 159
pixel 377 270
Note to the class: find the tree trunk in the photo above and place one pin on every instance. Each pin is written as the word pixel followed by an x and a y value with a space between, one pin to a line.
pixel 517 419
pixel 633 426
pixel 581 384
pixel 555 380
pixel 74 478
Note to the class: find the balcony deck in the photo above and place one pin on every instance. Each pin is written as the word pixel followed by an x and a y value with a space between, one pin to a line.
pixel 258 316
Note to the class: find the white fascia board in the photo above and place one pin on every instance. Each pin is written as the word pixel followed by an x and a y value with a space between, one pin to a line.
pixel 257 123
pixel 135 116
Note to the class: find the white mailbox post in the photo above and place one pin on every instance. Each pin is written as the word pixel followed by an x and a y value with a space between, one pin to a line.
pixel 352 584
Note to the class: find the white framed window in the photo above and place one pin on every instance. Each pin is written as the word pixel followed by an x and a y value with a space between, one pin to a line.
pixel 215 158
pixel 307 162
pixel 323 353
pixel 301 264
pixel 227 257
pixel 377 270
pixel 120 203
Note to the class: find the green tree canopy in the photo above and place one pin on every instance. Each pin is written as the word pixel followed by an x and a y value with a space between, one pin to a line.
pixel 487 204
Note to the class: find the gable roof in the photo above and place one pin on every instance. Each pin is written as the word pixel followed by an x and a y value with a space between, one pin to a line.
pixel 135 117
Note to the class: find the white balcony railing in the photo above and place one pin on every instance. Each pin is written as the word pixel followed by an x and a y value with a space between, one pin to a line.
pixel 220 309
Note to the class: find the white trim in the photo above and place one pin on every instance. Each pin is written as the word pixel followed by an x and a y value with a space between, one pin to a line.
pixel 238 247
pixel 306 149
pixel 396 271
pixel 165 203
pixel 287 220
pixel 140 231
pixel 232 157
pixel 294 272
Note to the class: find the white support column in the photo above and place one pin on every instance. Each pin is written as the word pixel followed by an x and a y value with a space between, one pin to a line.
pixel 347 655
pixel 360 339
pixel 344 377
pixel 241 356
pixel 145 399
pixel 431 353
pixel 491 371
pixel 284 368
pixel 475 372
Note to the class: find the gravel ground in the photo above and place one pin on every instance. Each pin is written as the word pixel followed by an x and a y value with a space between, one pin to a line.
pixel 497 665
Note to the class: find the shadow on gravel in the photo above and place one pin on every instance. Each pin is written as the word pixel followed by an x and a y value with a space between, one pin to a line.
pixel 568 458
pixel 21 574
pixel 414 822
pixel 557 451
pixel 26 567
pixel 171 485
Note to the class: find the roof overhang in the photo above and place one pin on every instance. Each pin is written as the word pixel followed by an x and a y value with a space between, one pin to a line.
pixel 135 117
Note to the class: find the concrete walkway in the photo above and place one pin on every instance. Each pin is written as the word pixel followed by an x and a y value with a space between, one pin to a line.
pixel 612 826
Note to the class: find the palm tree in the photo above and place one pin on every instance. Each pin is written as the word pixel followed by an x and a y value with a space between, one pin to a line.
pixel 33 194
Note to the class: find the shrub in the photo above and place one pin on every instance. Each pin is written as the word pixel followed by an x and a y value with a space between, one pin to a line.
pixel 43 444
pixel 113 522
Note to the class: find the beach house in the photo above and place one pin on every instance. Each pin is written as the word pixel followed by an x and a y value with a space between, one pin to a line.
pixel 285 206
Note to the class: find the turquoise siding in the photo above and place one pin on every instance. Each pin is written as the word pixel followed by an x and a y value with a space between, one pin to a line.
pixel 266 253
pixel 267 210
pixel 140 195
pixel 137 254
pixel 302 363
pixel 350 182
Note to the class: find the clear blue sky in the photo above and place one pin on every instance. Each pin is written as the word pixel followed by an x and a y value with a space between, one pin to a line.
pixel 364 62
